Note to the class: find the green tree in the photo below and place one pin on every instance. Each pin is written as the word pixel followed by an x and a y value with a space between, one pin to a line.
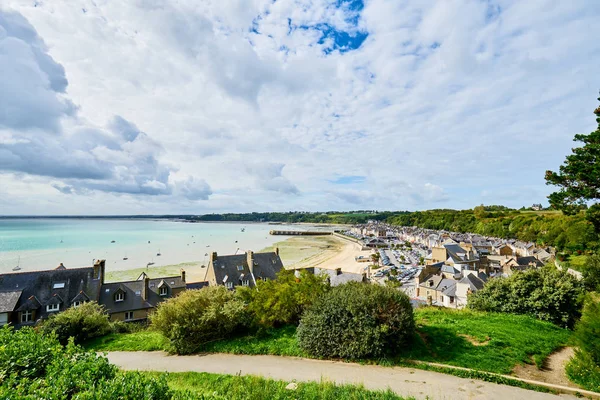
pixel 87 321
pixel 591 272
pixel 579 177
pixel 584 368
pixel 283 300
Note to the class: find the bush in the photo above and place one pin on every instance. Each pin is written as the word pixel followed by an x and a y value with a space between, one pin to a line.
pixel 199 316
pixel 547 294
pixel 584 368
pixel 36 366
pixel 282 301
pixel 357 321
pixel 583 371
pixel 87 321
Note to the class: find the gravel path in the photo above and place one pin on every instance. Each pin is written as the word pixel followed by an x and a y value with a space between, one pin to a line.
pixel 403 381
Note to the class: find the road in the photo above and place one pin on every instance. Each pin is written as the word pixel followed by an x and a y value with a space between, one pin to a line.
pixel 403 381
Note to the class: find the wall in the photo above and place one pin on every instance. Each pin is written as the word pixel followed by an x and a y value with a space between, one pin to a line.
pixel 137 314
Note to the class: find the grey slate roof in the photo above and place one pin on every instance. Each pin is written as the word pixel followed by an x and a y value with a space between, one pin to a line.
pixel 336 279
pixel 8 300
pixel 196 285
pixel 132 291
pixel 473 281
pixel 50 287
pixel 234 268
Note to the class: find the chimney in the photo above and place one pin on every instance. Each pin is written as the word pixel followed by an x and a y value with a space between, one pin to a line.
pixel 183 275
pixel 338 271
pixel 250 260
pixel 145 288
pixel 213 257
pixel 277 251
pixel 99 266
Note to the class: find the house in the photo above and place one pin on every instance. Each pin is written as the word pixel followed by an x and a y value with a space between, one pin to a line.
pixel 135 300
pixel 336 277
pixel 503 250
pixel 243 269
pixel 26 297
pixel 470 283
pixel 454 255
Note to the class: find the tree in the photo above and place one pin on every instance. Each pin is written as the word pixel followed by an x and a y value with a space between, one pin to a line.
pixel 579 177
pixel 87 321
pixel 591 272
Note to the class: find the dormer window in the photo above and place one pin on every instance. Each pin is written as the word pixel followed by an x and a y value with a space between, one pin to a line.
pixel 77 303
pixel 58 285
pixel 52 307
pixel 26 316
pixel 162 291
pixel 240 267
pixel 229 285
pixel 119 296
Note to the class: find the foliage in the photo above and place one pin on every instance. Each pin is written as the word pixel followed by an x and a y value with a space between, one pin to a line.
pixel 579 177
pixel 199 316
pixel 87 321
pixel 37 366
pixel 282 301
pixel 546 293
pixel 357 321
pixel 587 331
pixel 583 371
pixel 226 387
pixel 145 340
pixel 590 270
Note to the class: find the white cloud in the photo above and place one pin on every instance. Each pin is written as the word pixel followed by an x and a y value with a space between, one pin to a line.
pixel 248 105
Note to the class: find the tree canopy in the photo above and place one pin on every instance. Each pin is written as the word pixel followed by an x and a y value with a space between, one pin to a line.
pixel 579 177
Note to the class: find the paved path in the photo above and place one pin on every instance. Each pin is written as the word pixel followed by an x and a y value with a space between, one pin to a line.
pixel 403 381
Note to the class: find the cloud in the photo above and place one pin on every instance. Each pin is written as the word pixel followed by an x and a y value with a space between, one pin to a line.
pixel 281 105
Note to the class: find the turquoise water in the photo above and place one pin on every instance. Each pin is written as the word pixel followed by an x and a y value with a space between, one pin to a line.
pixel 44 243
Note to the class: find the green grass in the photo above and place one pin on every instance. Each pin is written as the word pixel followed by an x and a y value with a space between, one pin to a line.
pixel 576 262
pixel 151 271
pixel 483 341
pixel 145 340
pixel 213 386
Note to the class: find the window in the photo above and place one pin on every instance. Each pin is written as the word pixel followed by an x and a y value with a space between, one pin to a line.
pixel 52 307
pixel 451 299
pixel 246 283
pixel 58 285
pixel 77 303
pixel 138 292
pixel 229 285
pixel 264 279
pixel 240 267
pixel 119 296
pixel 128 315
pixel 162 291
pixel 26 316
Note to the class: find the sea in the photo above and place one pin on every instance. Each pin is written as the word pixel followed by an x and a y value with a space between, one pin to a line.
pixel 38 243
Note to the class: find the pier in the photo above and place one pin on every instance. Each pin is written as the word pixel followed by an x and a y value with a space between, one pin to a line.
pixel 299 233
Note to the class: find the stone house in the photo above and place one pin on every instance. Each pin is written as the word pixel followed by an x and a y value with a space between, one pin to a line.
pixel 243 269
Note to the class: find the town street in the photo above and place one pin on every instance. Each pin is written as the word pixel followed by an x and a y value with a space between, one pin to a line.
pixel 403 381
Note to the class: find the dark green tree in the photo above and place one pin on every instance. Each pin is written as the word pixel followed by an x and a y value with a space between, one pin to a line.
pixel 579 177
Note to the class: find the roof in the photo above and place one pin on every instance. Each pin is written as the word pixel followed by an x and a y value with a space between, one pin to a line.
pixel 32 303
pixel 132 290
pixel 446 284
pixel 473 281
pixel 234 268
pixel 196 285
pixel 336 279
pixel 8 300
pixel 529 260
pixel 45 286
pixel 449 269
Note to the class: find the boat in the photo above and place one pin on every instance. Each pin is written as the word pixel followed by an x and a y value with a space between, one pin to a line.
pixel 150 263
pixel 17 268
pixel 148 242
pixel 125 258
pixel 158 254
pixel 244 229
pixel 113 241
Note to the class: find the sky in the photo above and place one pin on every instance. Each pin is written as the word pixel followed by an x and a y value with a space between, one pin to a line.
pixel 208 106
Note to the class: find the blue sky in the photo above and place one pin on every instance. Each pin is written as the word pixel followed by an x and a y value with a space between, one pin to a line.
pixel 235 105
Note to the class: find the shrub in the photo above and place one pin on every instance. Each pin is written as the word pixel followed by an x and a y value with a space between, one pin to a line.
pixel 36 366
pixel 547 294
pixel 583 371
pixel 357 321
pixel 199 316
pixel 87 321
pixel 584 368
pixel 282 301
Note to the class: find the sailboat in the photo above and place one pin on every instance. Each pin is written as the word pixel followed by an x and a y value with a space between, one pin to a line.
pixel 18 265
pixel 244 229
pixel 158 254
pixel 125 258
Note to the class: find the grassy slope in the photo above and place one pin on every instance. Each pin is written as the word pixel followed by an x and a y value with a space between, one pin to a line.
pixel 213 386
pixel 503 340
pixel 152 272
pixel 576 261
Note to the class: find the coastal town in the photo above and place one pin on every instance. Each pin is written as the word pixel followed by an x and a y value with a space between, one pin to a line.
pixel 432 267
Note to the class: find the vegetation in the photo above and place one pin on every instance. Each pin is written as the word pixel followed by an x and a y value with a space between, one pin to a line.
pixel 579 177
pixel 144 340
pixel 584 368
pixel 199 316
pixel 84 322
pixel 282 301
pixel 212 386
pixel 357 321
pixel 547 294
pixel 36 366
pixel 590 269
